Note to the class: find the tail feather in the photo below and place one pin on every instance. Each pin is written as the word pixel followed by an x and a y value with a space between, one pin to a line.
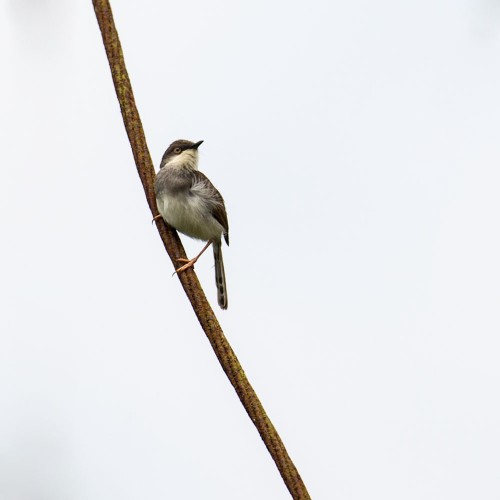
pixel 220 275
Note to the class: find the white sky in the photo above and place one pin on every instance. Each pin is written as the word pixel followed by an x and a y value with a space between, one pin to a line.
pixel 357 147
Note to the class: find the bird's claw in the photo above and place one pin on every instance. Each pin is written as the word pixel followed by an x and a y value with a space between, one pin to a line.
pixel 155 218
pixel 188 263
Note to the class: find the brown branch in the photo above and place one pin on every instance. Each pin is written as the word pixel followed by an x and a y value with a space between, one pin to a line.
pixel 174 248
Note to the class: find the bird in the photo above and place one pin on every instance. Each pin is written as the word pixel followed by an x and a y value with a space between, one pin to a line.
pixel 189 202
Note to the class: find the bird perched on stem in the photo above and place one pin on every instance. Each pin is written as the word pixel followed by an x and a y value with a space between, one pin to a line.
pixel 189 202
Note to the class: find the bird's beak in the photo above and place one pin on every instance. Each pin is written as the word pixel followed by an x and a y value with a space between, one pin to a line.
pixel 196 145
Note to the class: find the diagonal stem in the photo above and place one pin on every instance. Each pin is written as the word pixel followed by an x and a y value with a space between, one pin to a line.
pixel 175 250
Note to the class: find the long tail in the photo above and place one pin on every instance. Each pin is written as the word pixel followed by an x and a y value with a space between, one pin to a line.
pixel 220 275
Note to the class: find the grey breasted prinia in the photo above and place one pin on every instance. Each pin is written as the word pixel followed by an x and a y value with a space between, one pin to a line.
pixel 190 203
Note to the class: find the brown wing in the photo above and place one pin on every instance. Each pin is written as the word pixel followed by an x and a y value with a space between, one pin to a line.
pixel 218 207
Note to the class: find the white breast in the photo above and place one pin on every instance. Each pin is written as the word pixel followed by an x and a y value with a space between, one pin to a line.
pixel 190 215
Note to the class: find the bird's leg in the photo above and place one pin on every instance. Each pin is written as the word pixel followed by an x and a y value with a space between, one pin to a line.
pixel 190 262
pixel 156 217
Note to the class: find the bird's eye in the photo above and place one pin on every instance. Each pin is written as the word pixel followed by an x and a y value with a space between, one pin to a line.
pixel 177 151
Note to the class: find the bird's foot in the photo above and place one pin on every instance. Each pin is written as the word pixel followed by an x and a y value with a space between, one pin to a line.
pixel 155 218
pixel 188 263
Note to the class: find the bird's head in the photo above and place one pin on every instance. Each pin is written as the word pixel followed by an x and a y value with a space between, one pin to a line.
pixel 181 153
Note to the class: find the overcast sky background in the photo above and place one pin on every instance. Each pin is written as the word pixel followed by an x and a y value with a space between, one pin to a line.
pixel 357 147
